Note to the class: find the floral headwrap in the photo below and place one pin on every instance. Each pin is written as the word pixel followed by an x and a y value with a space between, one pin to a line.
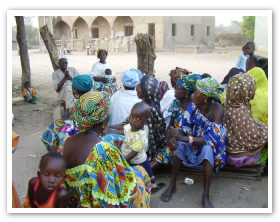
pixel 101 50
pixel 92 108
pixel 210 87
pixel 176 73
pixel 188 82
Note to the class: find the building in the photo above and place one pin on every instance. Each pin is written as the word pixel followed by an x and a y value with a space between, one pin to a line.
pixel 261 33
pixel 116 33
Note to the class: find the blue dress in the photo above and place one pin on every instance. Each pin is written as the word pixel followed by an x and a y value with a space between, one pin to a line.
pixel 195 124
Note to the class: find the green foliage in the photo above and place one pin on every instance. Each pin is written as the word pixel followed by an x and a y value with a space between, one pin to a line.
pixel 248 26
pixel 235 21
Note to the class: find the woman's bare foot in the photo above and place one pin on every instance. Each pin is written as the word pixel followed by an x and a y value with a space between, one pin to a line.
pixel 206 203
pixel 167 194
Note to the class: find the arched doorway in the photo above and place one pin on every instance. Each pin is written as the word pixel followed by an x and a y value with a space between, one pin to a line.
pixel 123 26
pixel 62 29
pixel 100 28
pixel 80 29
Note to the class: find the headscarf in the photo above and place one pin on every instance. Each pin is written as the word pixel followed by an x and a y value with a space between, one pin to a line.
pixel 210 87
pixel 130 78
pixel 245 135
pixel 140 74
pixel 163 88
pixel 260 102
pixel 82 83
pixel 92 108
pixel 101 50
pixel 62 57
pixel 188 82
pixel 232 72
pixel 175 73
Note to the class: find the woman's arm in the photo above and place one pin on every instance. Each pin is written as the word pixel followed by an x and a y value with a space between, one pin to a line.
pixel 131 155
pixel 119 129
pixel 101 79
pixel 62 198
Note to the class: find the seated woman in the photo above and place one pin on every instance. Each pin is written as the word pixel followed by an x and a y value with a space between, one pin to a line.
pixel 98 176
pixel 201 142
pixel 148 90
pixel 246 137
pixel 60 129
pixel 183 92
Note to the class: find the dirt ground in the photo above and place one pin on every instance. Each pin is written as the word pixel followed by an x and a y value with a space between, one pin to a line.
pixel 32 120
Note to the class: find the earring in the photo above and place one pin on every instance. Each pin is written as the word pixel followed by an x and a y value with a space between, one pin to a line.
pixel 77 96
pixel 102 126
pixel 205 101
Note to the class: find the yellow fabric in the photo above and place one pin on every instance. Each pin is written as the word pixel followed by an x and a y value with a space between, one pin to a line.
pixel 223 97
pixel 137 145
pixel 259 104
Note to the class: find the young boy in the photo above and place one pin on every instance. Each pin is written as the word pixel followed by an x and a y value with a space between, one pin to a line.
pixel 135 144
pixel 29 94
pixel 46 190
pixel 241 63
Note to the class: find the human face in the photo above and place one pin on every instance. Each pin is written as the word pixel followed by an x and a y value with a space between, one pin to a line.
pixel 198 97
pixel 52 173
pixel 180 92
pixel 63 63
pixel 102 56
pixel 28 85
pixel 137 119
pixel 249 50
pixel 139 92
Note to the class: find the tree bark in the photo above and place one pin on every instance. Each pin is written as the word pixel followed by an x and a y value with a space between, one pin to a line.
pixel 23 51
pixel 145 53
pixel 50 45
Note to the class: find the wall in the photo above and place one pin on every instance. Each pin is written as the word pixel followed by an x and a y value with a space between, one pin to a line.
pixel 261 33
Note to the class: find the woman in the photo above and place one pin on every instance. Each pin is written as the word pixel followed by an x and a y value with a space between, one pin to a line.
pixel 246 136
pixel 97 174
pixel 148 90
pixel 183 92
pixel 98 71
pixel 60 129
pixel 201 142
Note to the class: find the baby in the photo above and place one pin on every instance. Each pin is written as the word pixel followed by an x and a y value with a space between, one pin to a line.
pixel 112 85
pixel 46 190
pixel 135 144
pixel 29 94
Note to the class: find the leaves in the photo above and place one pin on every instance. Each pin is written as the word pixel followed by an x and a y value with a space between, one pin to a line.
pixel 248 26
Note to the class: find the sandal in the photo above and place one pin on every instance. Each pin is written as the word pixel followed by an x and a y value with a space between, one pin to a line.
pixel 156 188
pixel 165 197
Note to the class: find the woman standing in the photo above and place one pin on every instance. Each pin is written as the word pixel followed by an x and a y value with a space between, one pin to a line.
pixel 201 142
pixel 97 174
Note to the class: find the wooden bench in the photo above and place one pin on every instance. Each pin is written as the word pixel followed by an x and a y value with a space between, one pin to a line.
pixel 56 107
pixel 18 99
pixel 247 172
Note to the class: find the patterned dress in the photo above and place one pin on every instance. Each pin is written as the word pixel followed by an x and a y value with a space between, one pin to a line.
pixel 106 180
pixel 196 125
pixel 165 156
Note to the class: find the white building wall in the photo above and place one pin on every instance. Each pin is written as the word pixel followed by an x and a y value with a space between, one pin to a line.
pixel 261 33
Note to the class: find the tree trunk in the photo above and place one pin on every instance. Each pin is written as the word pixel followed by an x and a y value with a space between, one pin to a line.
pixel 145 53
pixel 50 45
pixel 23 51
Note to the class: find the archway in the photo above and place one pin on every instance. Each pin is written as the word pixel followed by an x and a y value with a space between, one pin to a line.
pixel 62 29
pixel 80 29
pixel 100 28
pixel 123 26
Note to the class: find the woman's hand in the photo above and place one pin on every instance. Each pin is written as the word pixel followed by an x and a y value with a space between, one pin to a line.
pixel 118 142
pixel 164 142
pixel 114 79
pixel 106 131
pixel 172 143
pixel 105 80
pixel 173 132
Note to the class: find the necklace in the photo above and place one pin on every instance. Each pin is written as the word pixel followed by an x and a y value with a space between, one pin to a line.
pixel 209 111
pixel 95 134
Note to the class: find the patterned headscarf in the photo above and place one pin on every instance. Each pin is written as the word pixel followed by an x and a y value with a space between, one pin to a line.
pixel 163 88
pixel 188 81
pixel 82 83
pixel 176 73
pixel 245 135
pixel 210 87
pixel 92 108
pixel 101 50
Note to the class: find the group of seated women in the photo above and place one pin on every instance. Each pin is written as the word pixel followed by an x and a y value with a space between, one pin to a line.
pixel 201 134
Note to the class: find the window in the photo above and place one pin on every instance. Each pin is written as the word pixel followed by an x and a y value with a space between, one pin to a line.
pixel 151 30
pixel 208 30
pixel 192 30
pixel 173 29
pixel 95 33
pixel 75 33
pixel 128 30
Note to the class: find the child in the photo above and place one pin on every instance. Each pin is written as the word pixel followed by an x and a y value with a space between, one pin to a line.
pixel 29 94
pixel 112 85
pixel 241 63
pixel 46 190
pixel 135 144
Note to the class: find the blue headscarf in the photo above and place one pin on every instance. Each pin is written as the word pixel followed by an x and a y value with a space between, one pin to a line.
pixel 130 78
pixel 140 74
pixel 82 83
pixel 188 81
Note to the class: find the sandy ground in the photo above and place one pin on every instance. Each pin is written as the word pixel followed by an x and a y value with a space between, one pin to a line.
pixel 32 120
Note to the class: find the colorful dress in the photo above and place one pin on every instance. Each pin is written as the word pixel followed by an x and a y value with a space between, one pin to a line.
pixel 165 156
pixel 31 94
pixel 196 125
pixel 106 180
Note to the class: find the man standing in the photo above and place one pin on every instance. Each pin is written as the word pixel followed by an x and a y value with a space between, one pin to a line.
pixel 62 82
pixel 123 101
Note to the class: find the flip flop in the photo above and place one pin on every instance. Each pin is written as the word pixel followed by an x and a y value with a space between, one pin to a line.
pixel 157 187
pixel 165 197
